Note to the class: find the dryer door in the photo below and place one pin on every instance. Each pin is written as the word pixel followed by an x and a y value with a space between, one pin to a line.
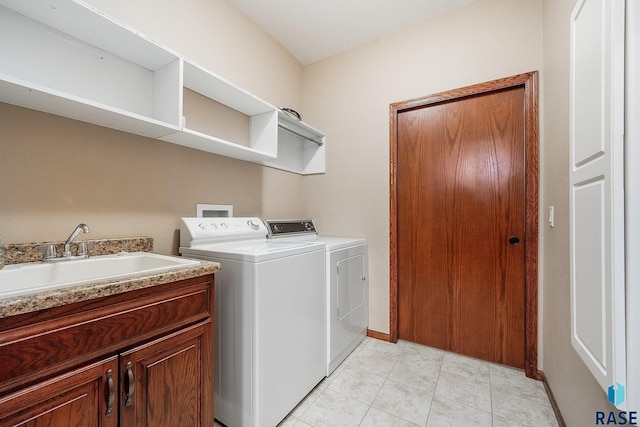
pixel 348 303
pixel 351 286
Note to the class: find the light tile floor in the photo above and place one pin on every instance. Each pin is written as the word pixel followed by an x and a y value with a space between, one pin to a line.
pixel 406 384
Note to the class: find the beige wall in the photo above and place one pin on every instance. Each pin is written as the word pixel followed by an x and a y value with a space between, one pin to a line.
pixel 57 172
pixel 575 389
pixel 348 96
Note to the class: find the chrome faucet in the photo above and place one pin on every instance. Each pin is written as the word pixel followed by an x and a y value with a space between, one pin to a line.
pixel 66 253
pixel 51 254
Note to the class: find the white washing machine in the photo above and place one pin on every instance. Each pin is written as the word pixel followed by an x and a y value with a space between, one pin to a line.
pixel 346 266
pixel 270 317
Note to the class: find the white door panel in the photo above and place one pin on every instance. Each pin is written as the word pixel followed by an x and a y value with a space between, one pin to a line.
pixel 590 302
pixel 632 202
pixel 597 188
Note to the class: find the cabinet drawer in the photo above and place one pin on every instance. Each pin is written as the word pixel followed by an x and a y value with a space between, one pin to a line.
pixel 49 346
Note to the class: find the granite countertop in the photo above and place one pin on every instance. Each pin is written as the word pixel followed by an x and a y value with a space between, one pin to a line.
pixel 100 288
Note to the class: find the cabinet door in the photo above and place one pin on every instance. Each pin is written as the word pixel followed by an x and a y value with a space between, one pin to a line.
pixel 85 397
pixel 169 381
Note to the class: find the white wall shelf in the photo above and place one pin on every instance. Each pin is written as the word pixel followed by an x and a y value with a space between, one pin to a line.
pixel 48 69
pixel 200 141
pixel 301 148
pixel 66 58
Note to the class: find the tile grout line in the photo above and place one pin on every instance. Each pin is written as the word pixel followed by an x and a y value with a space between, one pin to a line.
pixel 491 396
pixel 383 383
pixel 386 378
pixel 435 387
pixel 374 398
pixel 340 368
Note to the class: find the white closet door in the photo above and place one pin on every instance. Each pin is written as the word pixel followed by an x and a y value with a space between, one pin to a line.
pixel 597 188
pixel 632 202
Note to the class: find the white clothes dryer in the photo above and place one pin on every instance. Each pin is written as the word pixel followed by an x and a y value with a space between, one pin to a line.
pixel 270 317
pixel 347 267
pixel 347 285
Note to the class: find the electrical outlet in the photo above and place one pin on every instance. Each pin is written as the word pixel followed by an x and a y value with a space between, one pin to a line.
pixel 551 217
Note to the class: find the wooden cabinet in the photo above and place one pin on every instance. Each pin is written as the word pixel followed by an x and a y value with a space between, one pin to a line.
pixel 80 397
pixel 141 358
pixel 164 384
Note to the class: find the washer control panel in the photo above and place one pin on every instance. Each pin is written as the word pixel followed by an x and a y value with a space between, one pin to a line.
pixel 280 228
pixel 210 230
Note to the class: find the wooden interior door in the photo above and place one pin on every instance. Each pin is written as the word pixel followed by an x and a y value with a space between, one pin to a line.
pixel 461 225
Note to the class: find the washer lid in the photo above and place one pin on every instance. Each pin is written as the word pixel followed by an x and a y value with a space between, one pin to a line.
pixel 252 250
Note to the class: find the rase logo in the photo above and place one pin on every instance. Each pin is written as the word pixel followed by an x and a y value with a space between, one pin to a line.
pixel 613 418
pixel 616 396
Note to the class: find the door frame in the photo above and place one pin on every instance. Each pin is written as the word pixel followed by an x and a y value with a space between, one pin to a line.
pixel 529 81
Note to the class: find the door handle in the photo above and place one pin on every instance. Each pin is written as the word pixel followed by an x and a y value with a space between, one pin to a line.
pixel 130 385
pixel 514 241
pixel 112 392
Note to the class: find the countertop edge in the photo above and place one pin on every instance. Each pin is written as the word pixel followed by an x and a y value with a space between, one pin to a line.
pixel 23 304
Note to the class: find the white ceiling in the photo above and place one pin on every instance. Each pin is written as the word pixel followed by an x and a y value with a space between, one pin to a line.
pixel 315 29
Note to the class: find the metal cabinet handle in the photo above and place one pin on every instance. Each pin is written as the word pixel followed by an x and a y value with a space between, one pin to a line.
pixel 112 392
pixel 130 385
pixel 514 241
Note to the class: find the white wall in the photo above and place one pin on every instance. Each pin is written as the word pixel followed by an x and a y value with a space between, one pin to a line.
pixel 348 97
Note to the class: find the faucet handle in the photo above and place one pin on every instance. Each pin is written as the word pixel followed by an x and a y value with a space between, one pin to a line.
pixel 49 251
pixel 83 248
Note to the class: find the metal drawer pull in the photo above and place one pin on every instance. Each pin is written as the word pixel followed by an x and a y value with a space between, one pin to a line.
pixel 112 392
pixel 131 385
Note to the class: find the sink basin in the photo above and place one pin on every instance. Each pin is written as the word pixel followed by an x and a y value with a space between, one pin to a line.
pixel 28 278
